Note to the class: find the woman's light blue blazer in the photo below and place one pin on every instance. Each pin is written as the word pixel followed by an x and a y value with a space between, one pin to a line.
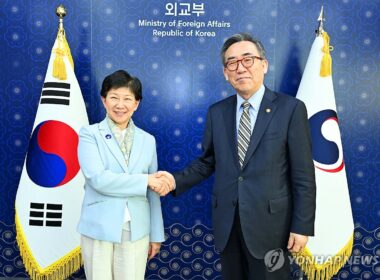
pixel 110 185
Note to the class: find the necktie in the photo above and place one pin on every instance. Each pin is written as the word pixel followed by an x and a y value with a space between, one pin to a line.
pixel 244 132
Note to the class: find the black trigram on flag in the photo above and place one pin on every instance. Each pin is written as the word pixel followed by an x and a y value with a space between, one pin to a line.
pixel 49 213
pixel 56 93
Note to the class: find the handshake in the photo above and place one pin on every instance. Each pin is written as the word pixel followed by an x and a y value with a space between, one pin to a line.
pixel 161 182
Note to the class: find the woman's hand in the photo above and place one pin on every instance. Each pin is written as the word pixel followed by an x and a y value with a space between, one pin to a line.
pixel 159 184
pixel 154 249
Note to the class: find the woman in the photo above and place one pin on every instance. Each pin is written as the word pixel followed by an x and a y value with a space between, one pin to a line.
pixel 121 220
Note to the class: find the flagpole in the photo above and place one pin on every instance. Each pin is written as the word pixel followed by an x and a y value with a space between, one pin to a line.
pixel 321 19
pixel 61 13
pixel 319 31
pixel 62 49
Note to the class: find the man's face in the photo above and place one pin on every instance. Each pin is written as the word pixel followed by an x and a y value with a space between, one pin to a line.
pixel 245 80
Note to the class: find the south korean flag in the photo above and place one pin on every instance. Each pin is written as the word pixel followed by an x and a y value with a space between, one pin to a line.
pixel 50 191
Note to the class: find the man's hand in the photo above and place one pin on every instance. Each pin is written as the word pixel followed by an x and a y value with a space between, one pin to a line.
pixel 159 185
pixel 167 178
pixel 297 242
pixel 154 249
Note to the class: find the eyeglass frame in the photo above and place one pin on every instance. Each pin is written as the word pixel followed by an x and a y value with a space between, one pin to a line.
pixel 241 61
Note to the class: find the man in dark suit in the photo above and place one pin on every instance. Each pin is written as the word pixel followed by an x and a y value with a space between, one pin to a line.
pixel 258 144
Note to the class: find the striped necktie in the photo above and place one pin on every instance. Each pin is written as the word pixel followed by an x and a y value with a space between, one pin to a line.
pixel 244 132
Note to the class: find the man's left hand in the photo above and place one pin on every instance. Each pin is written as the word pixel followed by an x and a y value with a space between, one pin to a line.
pixel 297 242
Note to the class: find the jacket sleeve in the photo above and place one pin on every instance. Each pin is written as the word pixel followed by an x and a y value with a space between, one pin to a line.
pixel 156 221
pixel 202 167
pixel 102 180
pixel 302 172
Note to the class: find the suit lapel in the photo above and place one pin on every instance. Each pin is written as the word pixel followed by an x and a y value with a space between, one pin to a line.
pixel 112 144
pixel 136 150
pixel 266 112
pixel 230 121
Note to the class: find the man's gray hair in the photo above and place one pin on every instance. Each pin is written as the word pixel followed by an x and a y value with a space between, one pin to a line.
pixel 239 37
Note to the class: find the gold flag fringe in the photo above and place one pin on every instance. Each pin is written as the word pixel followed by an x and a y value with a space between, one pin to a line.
pixel 62 50
pixel 326 63
pixel 327 270
pixel 59 270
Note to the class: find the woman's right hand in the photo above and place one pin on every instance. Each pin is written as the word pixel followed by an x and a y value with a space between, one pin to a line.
pixel 159 185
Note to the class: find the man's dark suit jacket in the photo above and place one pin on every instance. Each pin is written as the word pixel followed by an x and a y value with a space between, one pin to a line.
pixel 275 188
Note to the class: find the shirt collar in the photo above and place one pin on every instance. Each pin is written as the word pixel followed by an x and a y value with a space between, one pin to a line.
pixel 254 100
pixel 114 127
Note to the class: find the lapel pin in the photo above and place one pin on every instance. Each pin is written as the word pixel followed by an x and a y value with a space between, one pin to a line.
pixel 267 110
pixel 108 136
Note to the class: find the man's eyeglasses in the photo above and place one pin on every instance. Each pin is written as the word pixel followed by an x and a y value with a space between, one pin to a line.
pixel 247 62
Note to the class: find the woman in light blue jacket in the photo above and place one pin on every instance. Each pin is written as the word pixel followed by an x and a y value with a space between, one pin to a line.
pixel 121 219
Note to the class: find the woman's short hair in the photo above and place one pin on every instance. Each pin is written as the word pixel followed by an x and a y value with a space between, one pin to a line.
pixel 121 78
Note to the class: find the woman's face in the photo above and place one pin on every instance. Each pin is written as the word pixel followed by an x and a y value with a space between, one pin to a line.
pixel 120 104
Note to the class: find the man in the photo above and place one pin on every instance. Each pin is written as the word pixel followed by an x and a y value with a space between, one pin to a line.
pixel 258 144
